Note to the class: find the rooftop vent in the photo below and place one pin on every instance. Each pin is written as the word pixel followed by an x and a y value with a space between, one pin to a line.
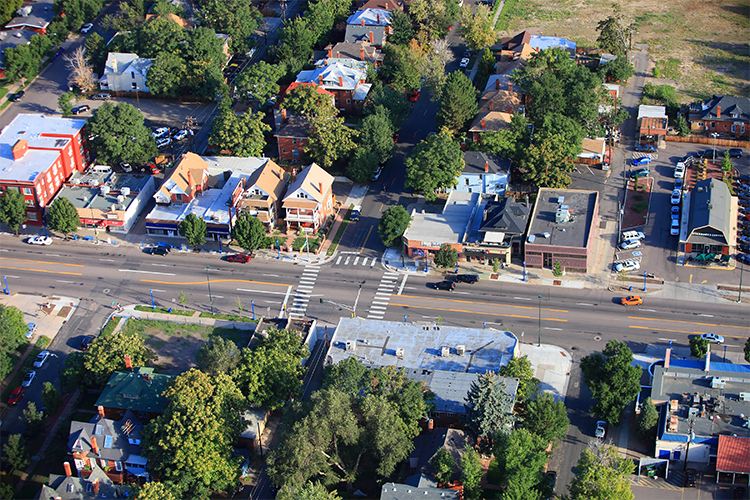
pixel 125 191
pixel 351 346
pixel 104 190
pixel 562 215
pixel 445 351
pixel 400 353
pixel 460 350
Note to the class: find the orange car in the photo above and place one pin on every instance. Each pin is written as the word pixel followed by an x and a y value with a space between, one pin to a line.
pixel 631 300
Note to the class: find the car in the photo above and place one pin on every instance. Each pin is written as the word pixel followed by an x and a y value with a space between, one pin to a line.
pixel 160 132
pixel 86 342
pixel 39 240
pixel 41 358
pixel 649 148
pixel 104 96
pixel 395 137
pixel 126 167
pixel 239 257
pixel 744 177
pixel 633 235
pixel 467 54
pixel 354 216
pixel 15 396
pixel 414 96
pixel 552 478
pixel 706 153
pixel 17 96
pixel 159 251
pixel 713 338
pixel 690 478
pixel 601 429
pixel 628 265
pixel 674 228
pixel 630 244
pixel 735 153
pixel 466 278
pixel 464 63
pixel 166 141
pixel 676 197
pixel 182 134
pixel 675 210
pixel 678 184
pixel 377 173
pixel 743 257
pixel 86 28
pixel 153 168
pixel 641 161
pixel 80 109
pixel 679 171
pixel 28 378
pixel 31 330
pixel 444 285
pixel 631 300
pixel 641 172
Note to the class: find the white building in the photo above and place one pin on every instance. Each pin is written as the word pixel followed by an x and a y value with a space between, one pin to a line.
pixel 125 73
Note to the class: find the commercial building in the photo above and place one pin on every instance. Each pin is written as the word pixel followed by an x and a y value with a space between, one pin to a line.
pixel 652 124
pixel 711 227
pixel 502 227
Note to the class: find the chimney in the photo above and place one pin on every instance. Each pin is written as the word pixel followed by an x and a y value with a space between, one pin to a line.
pixel 486 167
pixel 19 148
pixel 128 363
pixel 510 110
pixel 95 485
pixel 320 79
pixel 66 466
pixel 283 114
pixel 430 425
pixel 320 187
pixel 492 106
pixel 510 86
pixel 497 84
pixel 191 181
pixel 718 111
pixel 94 446
pixel 362 22
pixel 482 123
pixel 378 18
pixel 338 56
pixel 372 38
pixel 707 367
pixel 101 410
pixel 361 53
pixel 330 50
pixel 341 81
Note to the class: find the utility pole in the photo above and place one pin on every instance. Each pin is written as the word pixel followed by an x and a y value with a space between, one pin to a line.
pixel 189 125
pixel 687 448
pixel 739 294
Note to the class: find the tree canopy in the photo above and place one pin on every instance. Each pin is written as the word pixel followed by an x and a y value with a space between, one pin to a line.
pixel 12 331
pixel 601 474
pixel 476 26
pixel 614 37
pixel 12 209
pixel 236 18
pixel 309 491
pixel 471 473
pixel 446 256
pixel 118 133
pixel 62 216
pixel 193 229
pixel 521 457
pixel 329 139
pixel 444 466
pixel 238 135
pixel 218 355
pixel 698 347
pixel 258 82
pixel 393 224
pixel 458 104
pixel 248 232
pixel 489 408
pixel 647 419
pixel 521 368
pixel 434 164
pixel 546 418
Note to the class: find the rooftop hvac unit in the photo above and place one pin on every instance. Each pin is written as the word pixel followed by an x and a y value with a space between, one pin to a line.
pixel 120 198
pixel 562 215
pixel 561 199
pixel 351 346
pixel 125 191
pixel 693 412
pixel 718 383
pixel 400 353
pixel 445 351
pixel 75 182
pixel 531 238
pixel 745 396
pixel 104 190
pixel 460 350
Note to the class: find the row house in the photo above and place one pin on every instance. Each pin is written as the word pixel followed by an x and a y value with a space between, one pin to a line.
pixel 346 81
pixel 359 51
pixel 292 134
pixel 263 193
pixel 726 115
pixel 370 17
pixel 95 485
pixel 309 200
pixel 496 107
pixel 38 153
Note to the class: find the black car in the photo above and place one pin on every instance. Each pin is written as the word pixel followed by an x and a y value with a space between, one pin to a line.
pixel 690 478
pixel 735 153
pixel 444 285
pixel 17 96
pixel 706 153
pixel 80 109
pixel 159 251
pixel 466 278
pixel 86 342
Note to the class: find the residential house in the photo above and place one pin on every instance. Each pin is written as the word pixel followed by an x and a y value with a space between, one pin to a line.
pixel 113 445
pixel 38 153
pixel 34 17
pixel 399 491
pixel 370 17
pixel 726 115
pixel 253 421
pixel 374 35
pixel 540 42
pixel 496 108
pixel 652 124
pixel 515 42
pixel 124 72
pixel 710 227
pixel 382 4
pixel 346 82
pixel 502 227
pixel 262 194
pixel 68 487
pixel 428 445
pixel 292 135
pixel 309 200
pixel 359 51
pixel 484 173
pixel 139 390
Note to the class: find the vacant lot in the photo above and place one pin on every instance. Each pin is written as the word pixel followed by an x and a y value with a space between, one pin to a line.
pixel 699 46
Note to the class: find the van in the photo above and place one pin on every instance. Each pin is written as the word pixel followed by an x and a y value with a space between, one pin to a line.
pixel 102 169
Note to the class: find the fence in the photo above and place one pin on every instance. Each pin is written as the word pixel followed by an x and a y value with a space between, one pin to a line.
pixel 710 141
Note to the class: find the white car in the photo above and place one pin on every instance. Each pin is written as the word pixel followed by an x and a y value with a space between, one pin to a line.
pixel 160 132
pixel 464 62
pixel 160 143
pixel 182 134
pixel 676 197
pixel 40 359
pixel 601 429
pixel 126 167
pixel 31 331
pixel 679 171
pixel 630 244
pixel 628 265
pixel 713 338
pixel 28 378
pixel 633 235
pixel 86 28
pixel 674 229
pixel 354 216
pixel 39 240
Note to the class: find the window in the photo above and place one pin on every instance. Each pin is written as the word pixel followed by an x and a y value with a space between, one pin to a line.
pixel 98 429
pixel 27 191
pixel 725 127
pixel 742 129
pixel 136 442
pixel 108 441
pixel 348 101
pixel 135 86
pixel 118 466
pixel 294 141
pixel 31 216
pixel 713 124
pixel 132 75
pixel 295 152
pixel 29 203
pixel 283 150
pixel 467 181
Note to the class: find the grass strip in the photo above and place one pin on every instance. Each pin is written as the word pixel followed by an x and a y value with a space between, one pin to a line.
pixel 164 310
pixel 339 233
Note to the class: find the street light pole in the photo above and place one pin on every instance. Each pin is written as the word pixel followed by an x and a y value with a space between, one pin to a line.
pixel 354 309
pixel 210 298
pixel 739 293
pixel 540 321
pixel 7 288
pixel 714 135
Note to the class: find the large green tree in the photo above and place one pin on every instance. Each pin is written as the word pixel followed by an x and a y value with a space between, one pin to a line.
pixel 444 466
pixel 458 103
pixel 471 473
pixel 402 30
pixel 489 407
pixel 446 256
pixel 402 66
pixel 12 209
pixel 698 347
pixel 62 216
pixel 8 10
pixel 521 369
pixel 309 491
pixel 258 82
pixel 155 490
pixel 167 75
pixel 160 34
pixel 219 355
pixel 613 379
pixel 329 140
pixel 386 101
pixel 33 419
pixel 307 101
pixel 297 41
pixel 393 224
pixel 376 136
pixel 546 418
pixel 614 36
pixel 477 27
pixel 521 457
pixel 601 474
pixel 190 444
pixel 12 331
pixel 248 232
pixel 237 18
pixel 15 452
pixel 193 229
pixel 52 398
pixel 747 350
pixel 118 133
pixel 240 135
pixel 434 164
pixel 647 419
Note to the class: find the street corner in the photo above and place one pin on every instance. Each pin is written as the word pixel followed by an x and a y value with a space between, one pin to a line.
pixel 552 366
pixel 48 313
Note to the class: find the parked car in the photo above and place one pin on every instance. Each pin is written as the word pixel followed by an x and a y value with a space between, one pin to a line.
pixel 239 257
pixel 377 173
pixel 713 338
pixel 679 171
pixel 631 300
pixel 126 167
pixel 28 378
pixel 678 184
pixel 641 161
pixel 706 153
pixel 414 96
pixel 466 278
pixel 641 172
pixel 630 244
pixel 649 148
pixel 160 132
pixel 104 96
pixel 159 251
pixel 182 134
pixel 41 358
pixel 80 109
pixel 674 228
pixel 86 342
pixel 601 429
pixel 354 216
pixel 690 478
pixel 633 235
pixel 15 396
pixel 676 197
pixel 735 153
pixel 675 210
pixel 464 62
pixel 628 265
pixel 166 141
pixel 31 330
pixel 86 28
pixel 467 54
pixel 17 96
pixel 444 285
pixel 743 257
pixel 39 240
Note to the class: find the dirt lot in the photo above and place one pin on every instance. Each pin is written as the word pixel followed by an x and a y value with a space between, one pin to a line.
pixel 706 39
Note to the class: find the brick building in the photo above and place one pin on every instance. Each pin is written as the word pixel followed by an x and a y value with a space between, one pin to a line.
pixel 726 115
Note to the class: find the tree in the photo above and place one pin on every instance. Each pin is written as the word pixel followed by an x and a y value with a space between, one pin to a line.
pixel 521 369
pixel 362 166
pixel 613 36
pixel 547 418
pixel 384 100
pixel 698 347
pixel 15 452
pixel 271 373
pixel 13 209
pixel 96 48
pixel 446 256
pixel 240 135
pixel 545 163
pixel 118 133
pixel 433 66
pixel 747 350
pixel 155 490
pixel 471 473
pixel 726 163
pixel 200 420
pixel 393 224
pixel 647 419
pixel 63 102
pixel 458 103
pixel 376 137
pixel 521 457
pixel 81 72
pixel 8 10
pixel 434 164
pixel 249 232
pixel 307 101
pixel 33 420
pixel 219 355
pixel 12 331
pixel 613 380
pixel 682 126
pixel 602 474
pixel 237 18
pixel 329 140
pixel 309 491
pixel 52 398
pixel 402 30
pixel 619 70
pixel 258 82
pixel 444 466
pixel 20 63
pixel 402 66
pixel 477 27
pixel 297 41
pixel 488 406
pixel 167 75
pixel 193 229
pixel 62 216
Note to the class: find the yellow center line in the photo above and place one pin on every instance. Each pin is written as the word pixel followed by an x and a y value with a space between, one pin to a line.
pixel 43 262
pixel 474 312
pixel 688 322
pixel 484 303
pixel 213 281
pixel 42 271
pixel 365 242
pixel 683 331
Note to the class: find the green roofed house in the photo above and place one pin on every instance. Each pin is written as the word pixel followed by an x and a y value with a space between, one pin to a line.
pixel 139 390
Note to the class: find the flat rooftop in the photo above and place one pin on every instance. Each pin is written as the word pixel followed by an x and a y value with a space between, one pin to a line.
pixel 421 346
pixel 446 227
pixel 575 232
pixel 87 192
pixel 217 165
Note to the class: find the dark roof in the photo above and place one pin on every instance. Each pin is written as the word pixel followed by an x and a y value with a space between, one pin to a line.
pixel 295 126
pixel 357 33
pixel 733 454
pixel 137 390
pixel 474 162
pixel 427 445
pixel 112 437
pixel 514 42
pixel 730 105
pixel 710 211
pixel 505 216
pixel 78 488
pixel 574 233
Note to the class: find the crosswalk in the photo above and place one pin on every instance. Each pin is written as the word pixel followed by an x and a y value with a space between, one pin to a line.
pixel 354 259
pixel 382 296
pixel 303 291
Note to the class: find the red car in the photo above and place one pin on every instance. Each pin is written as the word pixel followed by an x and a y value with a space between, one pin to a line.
pixel 395 137
pixel 15 396
pixel 239 257
pixel 414 96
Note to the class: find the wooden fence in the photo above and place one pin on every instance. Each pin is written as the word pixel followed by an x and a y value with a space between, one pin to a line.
pixel 731 143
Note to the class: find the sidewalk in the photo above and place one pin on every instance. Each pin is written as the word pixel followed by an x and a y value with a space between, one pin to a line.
pixel 131 312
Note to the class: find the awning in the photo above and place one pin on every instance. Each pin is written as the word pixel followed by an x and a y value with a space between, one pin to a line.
pixel 493 237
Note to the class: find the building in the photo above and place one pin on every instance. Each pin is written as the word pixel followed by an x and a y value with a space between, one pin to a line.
pixel 726 115
pixel 496 107
pixel 139 390
pixel 398 491
pixel 562 228
pixel 253 423
pixel 502 227
pixel 309 200
pixel 733 460
pixel 429 444
pixel 34 17
pixel 594 152
pixel 652 124
pixel 359 51
pixel 382 4
pixel 346 83
pixel 114 445
pixel 370 17
pixel 125 72
pixel 292 135
pixel 68 487
pixel 710 226
pixel 262 193
pixel 180 21
pixel 374 35
pixel 109 201
pixel 38 153
pixel 540 42
pixel 484 173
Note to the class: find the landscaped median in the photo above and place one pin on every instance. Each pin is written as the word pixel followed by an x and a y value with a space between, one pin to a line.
pixel 637 200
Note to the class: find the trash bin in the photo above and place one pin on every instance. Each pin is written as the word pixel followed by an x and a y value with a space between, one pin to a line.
pixel 630 289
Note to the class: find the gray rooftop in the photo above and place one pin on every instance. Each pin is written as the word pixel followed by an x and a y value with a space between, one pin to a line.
pixel 425 346
pixel 733 108
pixel 710 211
pixel 85 190
pixel 575 232
pixel 446 227
pixel 505 216
pixel 357 33
pixel 397 491
pixel 295 127
pixel 474 162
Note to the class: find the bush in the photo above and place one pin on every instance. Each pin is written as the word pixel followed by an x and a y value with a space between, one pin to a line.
pixel 557 269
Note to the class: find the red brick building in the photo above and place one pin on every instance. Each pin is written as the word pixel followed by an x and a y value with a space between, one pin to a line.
pixel 726 115
pixel 291 137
